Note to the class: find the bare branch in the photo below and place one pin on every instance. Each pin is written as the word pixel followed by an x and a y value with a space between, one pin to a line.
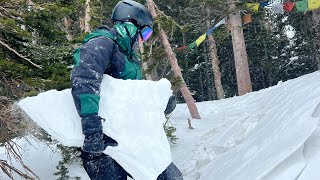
pixel 190 125
pixel 151 46
pixel 13 124
pixel 18 54
pixel 7 169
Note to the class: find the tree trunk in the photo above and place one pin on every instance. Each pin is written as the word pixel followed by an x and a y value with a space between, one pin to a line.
pixel 240 52
pixel 175 67
pixel 316 27
pixel 201 83
pixel 210 89
pixel 30 5
pixel 66 27
pixel 87 17
pixel 144 62
pixel 215 61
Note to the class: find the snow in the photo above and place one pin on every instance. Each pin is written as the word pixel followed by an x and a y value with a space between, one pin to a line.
pixel 271 134
pixel 251 137
pixel 294 58
pixel 290 31
pixel 134 121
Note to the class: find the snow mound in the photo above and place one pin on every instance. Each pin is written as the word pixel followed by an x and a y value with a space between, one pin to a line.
pixel 261 135
pixel 133 110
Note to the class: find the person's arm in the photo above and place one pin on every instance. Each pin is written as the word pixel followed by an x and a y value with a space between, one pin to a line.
pixel 171 105
pixel 91 61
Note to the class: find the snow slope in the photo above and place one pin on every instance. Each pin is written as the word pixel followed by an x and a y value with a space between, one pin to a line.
pixel 263 135
pixel 269 134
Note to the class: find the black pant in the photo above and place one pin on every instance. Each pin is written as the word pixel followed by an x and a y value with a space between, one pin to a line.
pixel 105 168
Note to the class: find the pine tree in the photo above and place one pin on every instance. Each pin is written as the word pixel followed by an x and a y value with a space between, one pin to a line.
pixel 239 51
pixel 174 65
pixel 316 29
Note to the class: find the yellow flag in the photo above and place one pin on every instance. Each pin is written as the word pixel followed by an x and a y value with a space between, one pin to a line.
pixel 201 39
pixel 313 4
pixel 253 6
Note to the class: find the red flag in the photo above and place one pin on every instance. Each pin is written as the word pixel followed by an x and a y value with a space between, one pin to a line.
pixel 182 48
pixel 288 6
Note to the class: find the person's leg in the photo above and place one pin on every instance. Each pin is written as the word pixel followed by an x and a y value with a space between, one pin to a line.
pixel 171 173
pixel 103 168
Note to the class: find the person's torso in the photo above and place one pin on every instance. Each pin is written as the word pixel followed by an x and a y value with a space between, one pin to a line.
pixel 122 65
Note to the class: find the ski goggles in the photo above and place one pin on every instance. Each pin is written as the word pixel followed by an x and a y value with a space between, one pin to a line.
pixel 146 32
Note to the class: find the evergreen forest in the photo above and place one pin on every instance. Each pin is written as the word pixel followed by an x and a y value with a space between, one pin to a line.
pixel 38 38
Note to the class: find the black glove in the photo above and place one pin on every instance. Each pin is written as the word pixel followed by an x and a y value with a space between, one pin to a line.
pixel 107 141
pixel 92 130
pixel 171 105
pixel 95 141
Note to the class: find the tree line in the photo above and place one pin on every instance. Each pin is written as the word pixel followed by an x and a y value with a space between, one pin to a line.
pixel 37 39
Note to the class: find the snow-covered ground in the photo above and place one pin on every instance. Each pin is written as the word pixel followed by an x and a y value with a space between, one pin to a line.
pixel 272 134
pixel 269 134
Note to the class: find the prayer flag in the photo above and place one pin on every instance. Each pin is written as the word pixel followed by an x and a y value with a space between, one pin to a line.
pixel 192 45
pixel 264 4
pixel 288 6
pixel 201 39
pixel 253 6
pixel 223 21
pixel 302 6
pixel 313 4
pixel 277 8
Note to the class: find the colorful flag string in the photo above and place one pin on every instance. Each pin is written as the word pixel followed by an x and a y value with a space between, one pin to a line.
pixel 277 7
pixel 204 36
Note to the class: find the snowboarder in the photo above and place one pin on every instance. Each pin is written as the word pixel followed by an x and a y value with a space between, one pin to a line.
pixel 110 51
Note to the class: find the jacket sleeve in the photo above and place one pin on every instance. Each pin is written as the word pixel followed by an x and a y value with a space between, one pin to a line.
pixel 171 105
pixel 91 61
